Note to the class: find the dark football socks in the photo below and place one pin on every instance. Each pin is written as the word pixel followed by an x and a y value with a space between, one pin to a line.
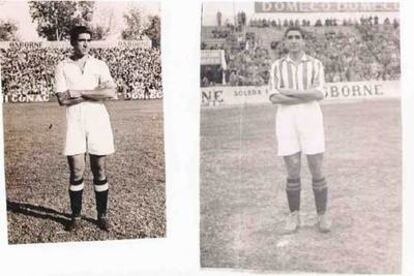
pixel 101 195
pixel 320 190
pixel 75 195
pixel 293 194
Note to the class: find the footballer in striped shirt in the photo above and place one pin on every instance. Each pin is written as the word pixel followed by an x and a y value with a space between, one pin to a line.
pixel 296 85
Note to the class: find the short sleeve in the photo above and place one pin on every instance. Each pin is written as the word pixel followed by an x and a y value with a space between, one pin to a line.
pixel 274 81
pixel 105 75
pixel 60 81
pixel 319 80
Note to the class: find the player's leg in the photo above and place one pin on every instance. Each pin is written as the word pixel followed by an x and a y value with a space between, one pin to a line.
pixel 101 187
pixel 320 189
pixel 319 185
pixel 77 169
pixel 293 187
pixel 100 144
pixel 312 139
pixel 289 149
pixel 293 164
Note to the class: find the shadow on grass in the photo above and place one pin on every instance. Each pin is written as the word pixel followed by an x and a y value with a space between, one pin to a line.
pixel 42 212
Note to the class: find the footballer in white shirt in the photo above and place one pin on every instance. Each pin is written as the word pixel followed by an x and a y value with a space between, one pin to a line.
pixel 83 83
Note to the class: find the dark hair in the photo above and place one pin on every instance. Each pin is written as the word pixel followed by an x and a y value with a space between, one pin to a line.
pixel 295 28
pixel 76 31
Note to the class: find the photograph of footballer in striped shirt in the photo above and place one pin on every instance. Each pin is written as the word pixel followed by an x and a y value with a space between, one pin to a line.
pixel 293 96
pixel 296 84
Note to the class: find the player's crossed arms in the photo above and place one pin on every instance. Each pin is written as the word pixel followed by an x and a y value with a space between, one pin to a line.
pixel 104 91
pixel 293 96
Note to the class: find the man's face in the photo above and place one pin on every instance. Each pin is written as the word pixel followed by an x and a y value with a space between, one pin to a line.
pixel 294 41
pixel 81 45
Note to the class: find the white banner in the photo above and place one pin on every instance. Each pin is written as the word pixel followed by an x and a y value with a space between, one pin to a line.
pixel 362 90
pixel 144 43
pixel 16 98
pixel 318 7
pixel 341 91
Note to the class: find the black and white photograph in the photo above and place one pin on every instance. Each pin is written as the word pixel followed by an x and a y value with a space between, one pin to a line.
pixel 83 120
pixel 300 137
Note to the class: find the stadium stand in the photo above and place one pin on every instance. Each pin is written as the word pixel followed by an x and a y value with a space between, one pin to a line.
pixel 30 70
pixel 360 50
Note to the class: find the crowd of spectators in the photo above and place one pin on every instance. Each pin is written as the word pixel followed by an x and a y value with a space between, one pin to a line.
pixel 220 33
pixel 30 70
pixel 280 24
pixel 363 52
pixel 248 67
pixel 135 70
pixel 365 55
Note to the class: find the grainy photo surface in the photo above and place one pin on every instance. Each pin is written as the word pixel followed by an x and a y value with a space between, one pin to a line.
pixel 300 137
pixel 83 121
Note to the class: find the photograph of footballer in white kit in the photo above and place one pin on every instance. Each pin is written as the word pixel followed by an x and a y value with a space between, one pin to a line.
pixel 301 137
pixel 83 120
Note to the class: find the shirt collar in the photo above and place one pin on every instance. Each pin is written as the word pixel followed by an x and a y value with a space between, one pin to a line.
pixel 88 58
pixel 304 58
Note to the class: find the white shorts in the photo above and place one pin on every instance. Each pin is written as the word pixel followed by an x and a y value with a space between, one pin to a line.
pixel 299 128
pixel 88 129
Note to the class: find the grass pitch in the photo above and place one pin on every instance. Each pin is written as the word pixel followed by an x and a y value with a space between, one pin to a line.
pixel 37 174
pixel 243 202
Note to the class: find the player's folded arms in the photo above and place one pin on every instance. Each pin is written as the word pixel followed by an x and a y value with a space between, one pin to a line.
pixel 65 98
pixel 293 96
pixel 103 91
pixel 312 94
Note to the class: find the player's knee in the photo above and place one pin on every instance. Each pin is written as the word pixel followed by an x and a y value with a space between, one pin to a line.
pixel 293 167
pixel 315 167
pixel 294 174
pixel 76 173
pixel 293 171
pixel 99 173
pixel 316 172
